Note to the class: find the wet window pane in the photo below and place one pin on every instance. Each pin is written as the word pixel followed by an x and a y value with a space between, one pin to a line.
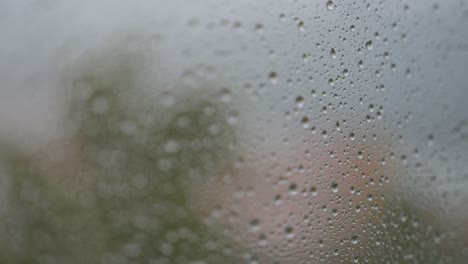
pixel 234 131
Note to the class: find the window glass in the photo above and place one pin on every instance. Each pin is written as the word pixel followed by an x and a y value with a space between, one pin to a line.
pixel 234 131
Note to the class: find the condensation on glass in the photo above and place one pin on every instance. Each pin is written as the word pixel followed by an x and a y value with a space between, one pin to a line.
pixel 234 131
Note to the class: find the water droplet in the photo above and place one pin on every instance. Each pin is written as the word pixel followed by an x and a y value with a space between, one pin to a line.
pixel 300 101
pixel 278 199
pixel 358 208
pixel 334 187
pixel 289 230
pixel 408 73
pixel 346 72
pixel 359 154
pixel 313 191
pixel 361 64
pixel 273 76
pixel 324 134
pixel 254 225
pixel 305 122
pixel 225 96
pixel 259 28
pixel 430 139
pixel 369 45
pixel 333 53
pixel 262 240
pixel 292 189
pixel 300 25
pixel 330 5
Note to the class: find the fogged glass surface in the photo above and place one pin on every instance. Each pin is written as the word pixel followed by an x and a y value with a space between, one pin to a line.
pixel 233 131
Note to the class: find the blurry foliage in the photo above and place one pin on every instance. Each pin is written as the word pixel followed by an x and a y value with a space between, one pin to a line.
pixel 140 164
